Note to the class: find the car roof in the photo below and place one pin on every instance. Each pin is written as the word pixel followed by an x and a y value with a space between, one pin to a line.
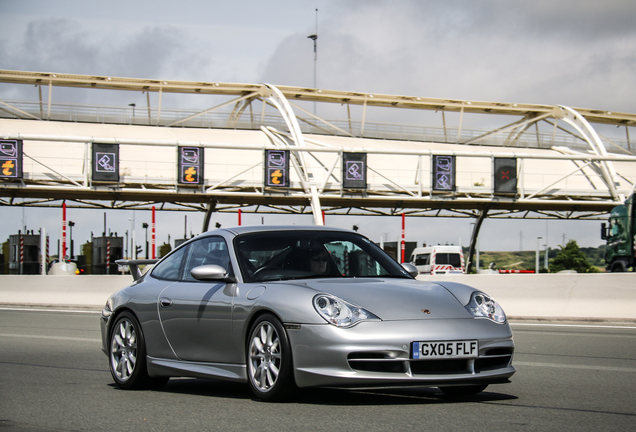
pixel 272 228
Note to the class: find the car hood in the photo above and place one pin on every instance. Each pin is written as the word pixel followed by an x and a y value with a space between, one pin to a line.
pixel 394 299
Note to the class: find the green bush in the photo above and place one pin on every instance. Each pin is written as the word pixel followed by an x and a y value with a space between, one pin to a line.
pixel 571 257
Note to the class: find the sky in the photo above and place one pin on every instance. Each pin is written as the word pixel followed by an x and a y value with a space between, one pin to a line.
pixel 578 53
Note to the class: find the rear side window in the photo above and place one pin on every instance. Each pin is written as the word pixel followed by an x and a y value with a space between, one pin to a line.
pixel 169 268
pixel 448 258
pixel 454 260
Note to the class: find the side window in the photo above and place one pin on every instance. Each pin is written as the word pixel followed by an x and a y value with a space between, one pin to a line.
pixel 422 259
pixel 353 261
pixel 207 251
pixel 169 268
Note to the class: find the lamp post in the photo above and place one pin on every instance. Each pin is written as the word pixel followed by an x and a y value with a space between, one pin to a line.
pixel 133 243
pixel 537 257
pixel 145 226
pixel 71 224
pixel 314 37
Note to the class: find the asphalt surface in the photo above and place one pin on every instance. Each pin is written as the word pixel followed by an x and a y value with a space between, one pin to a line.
pixel 54 377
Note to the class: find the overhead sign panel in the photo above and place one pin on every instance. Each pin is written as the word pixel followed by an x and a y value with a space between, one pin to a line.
pixel 354 170
pixel 106 162
pixel 505 170
pixel 277 168
pixel 190 165
pixel 443 173
pixel 11 159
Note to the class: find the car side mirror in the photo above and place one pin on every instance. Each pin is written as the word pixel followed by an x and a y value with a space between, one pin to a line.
pixel 411 269
pixel 604 232
pixel 211 273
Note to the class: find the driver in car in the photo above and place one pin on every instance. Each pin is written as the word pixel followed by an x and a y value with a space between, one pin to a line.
pixel 318 262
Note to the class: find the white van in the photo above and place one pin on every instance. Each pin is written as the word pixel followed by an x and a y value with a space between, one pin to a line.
pixel 438 259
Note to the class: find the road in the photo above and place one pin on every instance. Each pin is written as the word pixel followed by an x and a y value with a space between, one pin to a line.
pixel 54 377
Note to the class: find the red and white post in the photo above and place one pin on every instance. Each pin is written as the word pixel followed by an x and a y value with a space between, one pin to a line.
pixel 403 244
pixel 107 256
pixel 21 254
pixel 63 257
pixel 152 237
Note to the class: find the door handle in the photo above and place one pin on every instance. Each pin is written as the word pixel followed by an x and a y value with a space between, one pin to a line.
pixel 165 302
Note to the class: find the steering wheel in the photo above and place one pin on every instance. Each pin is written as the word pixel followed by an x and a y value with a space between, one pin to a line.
pixel 262 270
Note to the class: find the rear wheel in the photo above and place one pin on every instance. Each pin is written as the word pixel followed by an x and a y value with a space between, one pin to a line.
pixel 269 360
pixel 127 355
pixel 463 390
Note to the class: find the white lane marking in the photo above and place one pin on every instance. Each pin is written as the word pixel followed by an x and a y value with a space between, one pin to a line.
pixel 572 325
pixel 571 366
pixel 67 338
pixel 49 310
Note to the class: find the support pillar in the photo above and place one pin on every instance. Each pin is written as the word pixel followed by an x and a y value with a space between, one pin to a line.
pixel 473 239
pixel 208 215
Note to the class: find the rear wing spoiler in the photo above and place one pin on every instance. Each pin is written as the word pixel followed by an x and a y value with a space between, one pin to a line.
pixel 133 265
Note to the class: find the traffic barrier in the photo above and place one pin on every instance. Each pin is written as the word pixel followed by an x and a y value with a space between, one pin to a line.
pixel 595 297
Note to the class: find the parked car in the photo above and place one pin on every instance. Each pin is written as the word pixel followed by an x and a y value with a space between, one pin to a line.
pixel 287 307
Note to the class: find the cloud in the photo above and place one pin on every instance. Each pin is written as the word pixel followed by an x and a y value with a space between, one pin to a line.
pixel 569 52
pixel 53 45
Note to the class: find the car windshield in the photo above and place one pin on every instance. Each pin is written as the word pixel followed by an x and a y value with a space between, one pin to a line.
pixel 300 254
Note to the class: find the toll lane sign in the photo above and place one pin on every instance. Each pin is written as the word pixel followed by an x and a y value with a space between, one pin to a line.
pixel 105 162
pixel 443 173
pixel 190 165
pixel 354 170
pixel 505 171
pixel 11 159
pixel 277 168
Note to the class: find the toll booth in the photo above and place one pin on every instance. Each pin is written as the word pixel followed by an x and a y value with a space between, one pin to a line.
pixel 4 256
pixel 393 249
pixel 107 250
pixel 179 242
pixel 24 253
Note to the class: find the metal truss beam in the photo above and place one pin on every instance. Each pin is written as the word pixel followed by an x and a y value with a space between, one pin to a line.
pixel 320 189
pixel 301 93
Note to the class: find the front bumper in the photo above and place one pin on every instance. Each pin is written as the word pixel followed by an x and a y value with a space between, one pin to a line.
pixel 379 354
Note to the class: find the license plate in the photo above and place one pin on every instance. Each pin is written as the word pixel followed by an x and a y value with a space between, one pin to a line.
pixel 445 349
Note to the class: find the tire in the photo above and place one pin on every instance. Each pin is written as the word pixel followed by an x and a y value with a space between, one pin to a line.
pixel 468 390
pixel 127 355
pixel 269 360
pixel 619 267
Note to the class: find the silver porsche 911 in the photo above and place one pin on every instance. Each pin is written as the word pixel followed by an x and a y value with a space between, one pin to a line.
pixel 288 307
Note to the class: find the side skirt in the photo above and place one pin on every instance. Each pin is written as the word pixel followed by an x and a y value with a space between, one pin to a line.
pixel 176 368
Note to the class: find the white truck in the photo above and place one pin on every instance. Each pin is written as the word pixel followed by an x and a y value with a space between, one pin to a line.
pixel 438 259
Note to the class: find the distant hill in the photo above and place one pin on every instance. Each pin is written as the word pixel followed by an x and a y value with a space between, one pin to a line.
pixel 525 260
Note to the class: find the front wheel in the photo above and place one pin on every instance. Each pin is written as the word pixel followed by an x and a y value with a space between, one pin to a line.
pixel 269 360
pixel 127 355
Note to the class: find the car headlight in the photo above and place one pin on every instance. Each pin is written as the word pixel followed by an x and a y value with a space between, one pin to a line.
pixel 339 312
pixel 483 306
